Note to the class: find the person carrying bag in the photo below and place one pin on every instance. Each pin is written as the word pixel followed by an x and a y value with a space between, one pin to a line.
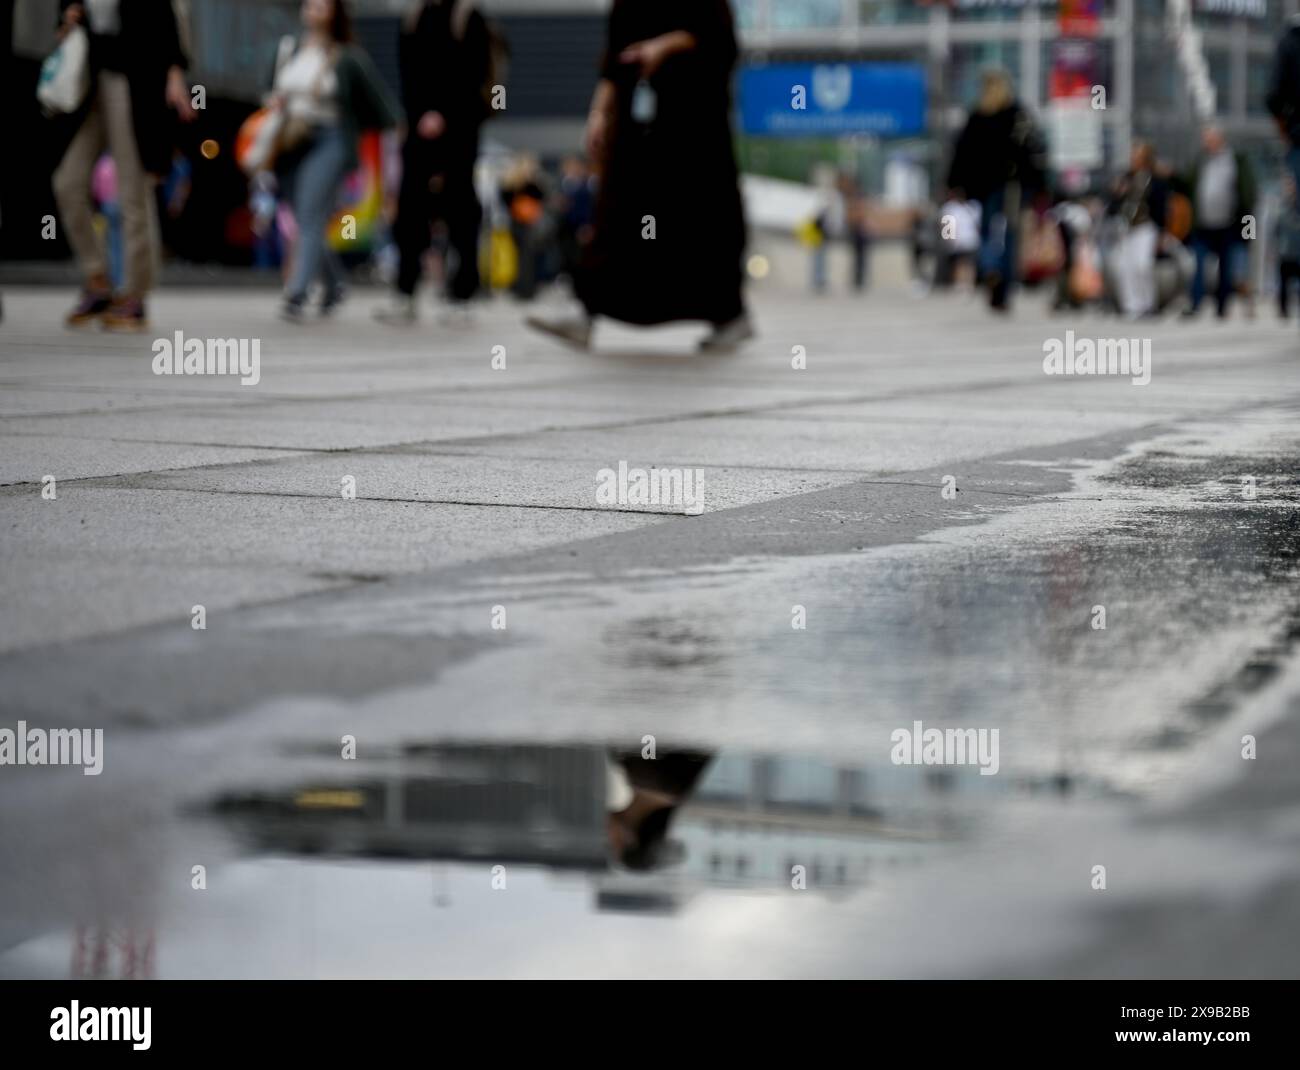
pixel 135 89
pixel 325 94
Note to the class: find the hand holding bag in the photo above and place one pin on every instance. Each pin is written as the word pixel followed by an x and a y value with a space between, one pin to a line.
pixel 255 143
pixel 271 131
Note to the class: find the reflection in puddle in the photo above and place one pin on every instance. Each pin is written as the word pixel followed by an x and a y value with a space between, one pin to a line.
pixel 648 831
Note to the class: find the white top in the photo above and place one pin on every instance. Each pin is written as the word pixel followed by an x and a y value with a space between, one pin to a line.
pixel 309 86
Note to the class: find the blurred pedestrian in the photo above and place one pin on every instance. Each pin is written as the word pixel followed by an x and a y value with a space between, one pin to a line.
pixel 826 222
pixel 137 88
pixel 1284 94
pixel 1222 190
pixel 922 240
pixel 262 202
pixel 1287 236
pixel 1000 160
pixel 327 92
pixel 445 52
pixel 577 212
pixel 1138 200
pixel 669 237
pixel 857 224
pixel 524 200
pixel 1079 280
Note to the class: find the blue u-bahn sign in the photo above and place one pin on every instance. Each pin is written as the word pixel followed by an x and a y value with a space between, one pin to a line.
pixel 832 99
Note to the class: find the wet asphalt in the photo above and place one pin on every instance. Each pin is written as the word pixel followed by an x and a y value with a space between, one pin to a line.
pixel 482 752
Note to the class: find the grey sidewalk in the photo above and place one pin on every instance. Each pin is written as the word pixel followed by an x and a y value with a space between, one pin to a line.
pixel 175 491
pixel 369 618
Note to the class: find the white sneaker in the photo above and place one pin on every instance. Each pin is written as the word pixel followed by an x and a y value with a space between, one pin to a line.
pixel 574 331
pixel 399 312
pixel 728 336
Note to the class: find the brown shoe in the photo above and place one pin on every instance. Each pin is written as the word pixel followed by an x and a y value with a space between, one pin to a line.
pixel 126 314
pixel 90 309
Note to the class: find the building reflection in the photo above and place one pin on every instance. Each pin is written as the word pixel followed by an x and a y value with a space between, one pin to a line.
pixel 648 833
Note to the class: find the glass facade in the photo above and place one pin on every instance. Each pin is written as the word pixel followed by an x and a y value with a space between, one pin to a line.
pixel 1147 89
pixel 969 61
pixel 891 12
pixel 808 14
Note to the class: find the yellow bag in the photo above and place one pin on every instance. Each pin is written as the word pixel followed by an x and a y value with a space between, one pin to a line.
pixel 809 232
pixel 503 260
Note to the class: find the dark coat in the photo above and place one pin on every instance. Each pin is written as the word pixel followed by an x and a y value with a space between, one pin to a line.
pixel 364 102
pixel 444 72
pixel 1247 189
pixel 996 149
pixel 148 45
pixel 1140 197
pixel 679 168
pixel 1284 95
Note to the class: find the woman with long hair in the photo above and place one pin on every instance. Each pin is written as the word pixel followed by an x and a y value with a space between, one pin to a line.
pixel 1139 199
pixel 327 93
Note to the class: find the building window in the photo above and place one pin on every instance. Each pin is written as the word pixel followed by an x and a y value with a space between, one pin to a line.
pixel 1259 83
pixel 891 12
pixel 806 14
pixel 748 14
pixel 1219 60
pixel 969 62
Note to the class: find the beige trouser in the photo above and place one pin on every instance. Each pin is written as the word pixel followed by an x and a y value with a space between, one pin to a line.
pixel 108 125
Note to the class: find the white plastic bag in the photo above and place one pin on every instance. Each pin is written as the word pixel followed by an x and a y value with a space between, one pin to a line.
pixel 65 74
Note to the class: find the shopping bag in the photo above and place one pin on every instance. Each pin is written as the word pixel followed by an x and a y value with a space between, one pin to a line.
pixel 258 139
pixel 65 75
pixel 503 260
pixel 1086 282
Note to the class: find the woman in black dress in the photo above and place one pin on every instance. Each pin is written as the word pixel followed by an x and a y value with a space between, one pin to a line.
pixel 669 231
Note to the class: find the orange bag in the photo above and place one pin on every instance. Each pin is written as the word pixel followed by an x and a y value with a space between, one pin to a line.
pixel 1178 216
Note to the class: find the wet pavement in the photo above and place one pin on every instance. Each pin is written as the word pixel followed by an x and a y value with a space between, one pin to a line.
pixel 502 706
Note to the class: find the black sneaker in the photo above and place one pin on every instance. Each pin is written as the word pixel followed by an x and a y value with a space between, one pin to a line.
pixel 331 300
pixel 91 307
pixel 126 314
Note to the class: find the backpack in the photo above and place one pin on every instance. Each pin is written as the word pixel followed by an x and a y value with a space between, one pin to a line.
pixel 498 65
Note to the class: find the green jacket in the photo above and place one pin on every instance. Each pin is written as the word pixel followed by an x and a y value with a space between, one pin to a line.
pixel 364 102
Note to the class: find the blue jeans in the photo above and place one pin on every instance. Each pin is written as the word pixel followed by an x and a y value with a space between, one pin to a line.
pixel 113 243
pixel 314 182
pixel 1221 243
pixel 998 245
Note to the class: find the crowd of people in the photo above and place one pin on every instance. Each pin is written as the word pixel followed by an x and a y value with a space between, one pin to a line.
pixel 1138 247
pixel 617 221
